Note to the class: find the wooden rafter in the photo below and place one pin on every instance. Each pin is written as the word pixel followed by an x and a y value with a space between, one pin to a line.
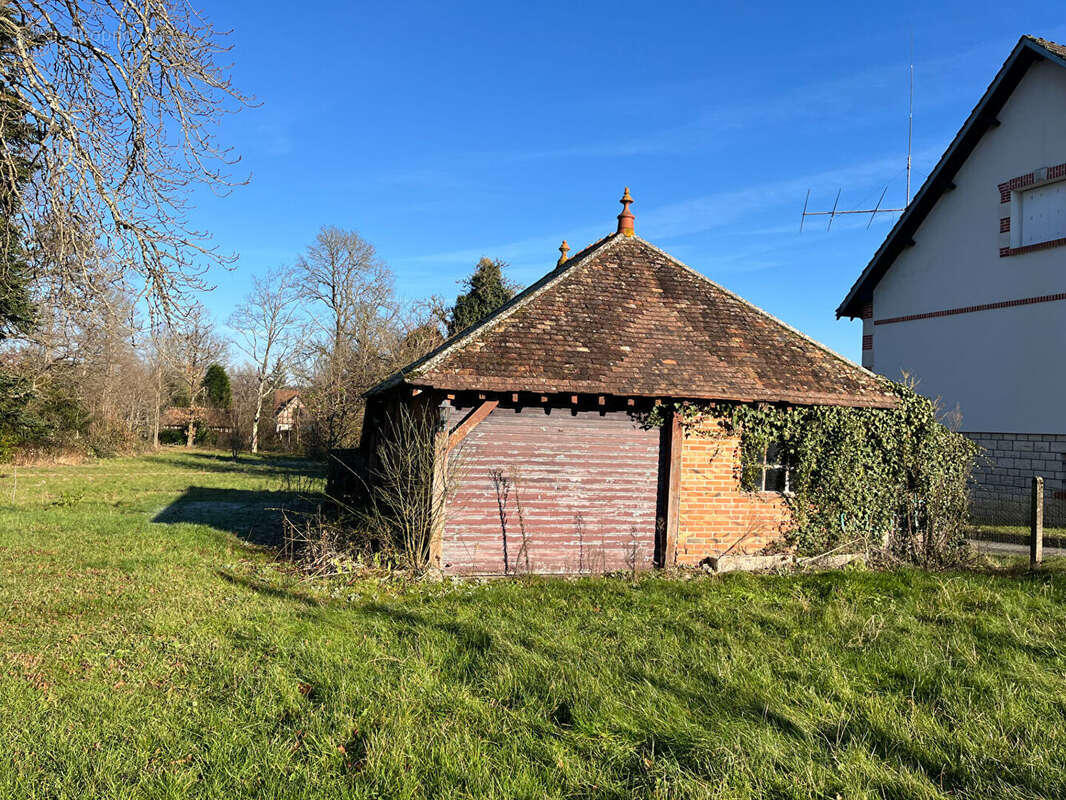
pixel 470 421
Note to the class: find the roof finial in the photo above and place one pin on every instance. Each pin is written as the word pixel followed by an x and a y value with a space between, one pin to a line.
pixel 564 249
pixel 625 219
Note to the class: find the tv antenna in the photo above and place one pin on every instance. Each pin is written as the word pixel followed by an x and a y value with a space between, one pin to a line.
pixel 873 212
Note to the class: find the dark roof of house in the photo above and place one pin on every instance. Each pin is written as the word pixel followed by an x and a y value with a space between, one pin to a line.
pixel 624 318
pixel 283 396
pixel 1029 50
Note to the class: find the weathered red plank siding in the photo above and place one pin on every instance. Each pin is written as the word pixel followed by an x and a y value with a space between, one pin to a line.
pixel 558 493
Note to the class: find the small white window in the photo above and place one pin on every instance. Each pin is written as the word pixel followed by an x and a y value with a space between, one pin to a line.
pixel 771 475
pixel 1038 215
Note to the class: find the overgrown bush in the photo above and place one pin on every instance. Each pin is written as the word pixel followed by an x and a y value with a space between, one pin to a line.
pixel 889 479
pixel 385 510
pixel 39 420
pixel 171 436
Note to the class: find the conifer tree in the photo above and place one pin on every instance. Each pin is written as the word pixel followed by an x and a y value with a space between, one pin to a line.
pixel 19 138
pixel 217 388
pixel 17 312
pixel 486 290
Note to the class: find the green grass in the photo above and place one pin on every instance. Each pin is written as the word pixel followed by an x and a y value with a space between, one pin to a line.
pixel 147 649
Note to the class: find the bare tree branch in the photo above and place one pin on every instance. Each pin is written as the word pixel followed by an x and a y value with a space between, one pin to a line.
pixel 127 96
pixel 191 348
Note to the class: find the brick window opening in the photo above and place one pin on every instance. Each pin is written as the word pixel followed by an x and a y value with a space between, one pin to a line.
pixel 1037 218
pixel 770 474
pixel 1038 215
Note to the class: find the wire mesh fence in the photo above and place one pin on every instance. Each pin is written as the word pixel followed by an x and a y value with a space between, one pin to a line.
pixel 1002 508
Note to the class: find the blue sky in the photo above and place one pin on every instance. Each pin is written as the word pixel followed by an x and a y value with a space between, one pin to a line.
pixel 447 131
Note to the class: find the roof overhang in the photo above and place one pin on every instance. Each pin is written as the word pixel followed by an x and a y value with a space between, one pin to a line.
pixel 529 392
pixel 984 116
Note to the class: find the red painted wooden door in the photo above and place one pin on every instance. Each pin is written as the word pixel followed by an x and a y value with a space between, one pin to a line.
pixel 553 493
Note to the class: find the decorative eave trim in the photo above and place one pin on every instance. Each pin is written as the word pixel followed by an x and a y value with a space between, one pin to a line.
pixel 1027 52
pixel 562 396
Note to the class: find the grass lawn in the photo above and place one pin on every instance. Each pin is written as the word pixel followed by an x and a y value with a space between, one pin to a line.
pixel 148 650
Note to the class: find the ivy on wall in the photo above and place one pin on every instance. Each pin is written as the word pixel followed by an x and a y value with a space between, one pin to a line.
pixel 892 479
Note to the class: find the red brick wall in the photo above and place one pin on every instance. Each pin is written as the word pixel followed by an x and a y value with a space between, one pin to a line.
pixel 716 514
pixel 587 485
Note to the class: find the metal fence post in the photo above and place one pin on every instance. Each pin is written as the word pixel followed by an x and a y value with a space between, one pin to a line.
pixel 1036 521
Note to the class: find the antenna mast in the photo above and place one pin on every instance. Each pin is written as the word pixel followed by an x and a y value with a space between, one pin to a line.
pixel 873 212
pixel 910 124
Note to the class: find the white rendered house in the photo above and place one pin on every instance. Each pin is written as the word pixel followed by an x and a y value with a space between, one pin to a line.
pixel 967 294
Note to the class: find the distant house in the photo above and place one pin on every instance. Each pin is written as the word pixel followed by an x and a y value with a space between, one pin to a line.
pixel 288 408
pixel 539 400
pixel 968 292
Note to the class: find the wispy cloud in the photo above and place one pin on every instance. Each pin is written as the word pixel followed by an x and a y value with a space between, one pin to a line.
pixel 826 102
pixel 719 210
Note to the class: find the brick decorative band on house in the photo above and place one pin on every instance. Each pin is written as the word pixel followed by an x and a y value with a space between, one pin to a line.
pixel 1030 248
pixel 868 342
pixel 1004 225
pixel 1025 301
pixel 868 311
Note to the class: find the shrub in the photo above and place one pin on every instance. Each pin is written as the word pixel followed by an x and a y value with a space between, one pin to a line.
pixel 385 511
pixel 171 436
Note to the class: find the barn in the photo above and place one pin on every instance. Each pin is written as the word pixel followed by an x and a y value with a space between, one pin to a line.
pixel 542 411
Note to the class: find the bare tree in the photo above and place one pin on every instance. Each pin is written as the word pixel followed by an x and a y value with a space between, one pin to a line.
pixel 192 347
pixel 355 328
pixel 126 97
pixel 267 332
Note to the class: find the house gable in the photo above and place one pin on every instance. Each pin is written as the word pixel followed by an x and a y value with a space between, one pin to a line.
pixel 975 321
pixel 942 181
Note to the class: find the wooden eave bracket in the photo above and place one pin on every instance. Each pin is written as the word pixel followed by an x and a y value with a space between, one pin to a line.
pixel 469 422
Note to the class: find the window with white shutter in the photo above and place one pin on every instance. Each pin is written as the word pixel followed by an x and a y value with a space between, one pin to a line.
pixel 1039 215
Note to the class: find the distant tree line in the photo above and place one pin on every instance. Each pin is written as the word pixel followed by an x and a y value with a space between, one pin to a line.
pixel 328 326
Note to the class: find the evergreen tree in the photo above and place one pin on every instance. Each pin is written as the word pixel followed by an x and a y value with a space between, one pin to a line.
pixel 486 290
pixel 18 141
pixel 217 387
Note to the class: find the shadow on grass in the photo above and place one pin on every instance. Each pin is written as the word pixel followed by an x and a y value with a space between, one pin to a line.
pixel 270 591
pixel 255 516
pixel 222 462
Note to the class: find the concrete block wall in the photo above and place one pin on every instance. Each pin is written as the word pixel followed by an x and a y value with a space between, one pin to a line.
pixel 1002 480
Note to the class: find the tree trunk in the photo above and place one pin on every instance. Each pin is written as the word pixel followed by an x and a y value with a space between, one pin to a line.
pixel 255 420
pixel 190 435
pixel 158 404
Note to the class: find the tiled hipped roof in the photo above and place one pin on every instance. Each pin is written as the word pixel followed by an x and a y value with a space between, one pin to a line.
pixel 624 318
